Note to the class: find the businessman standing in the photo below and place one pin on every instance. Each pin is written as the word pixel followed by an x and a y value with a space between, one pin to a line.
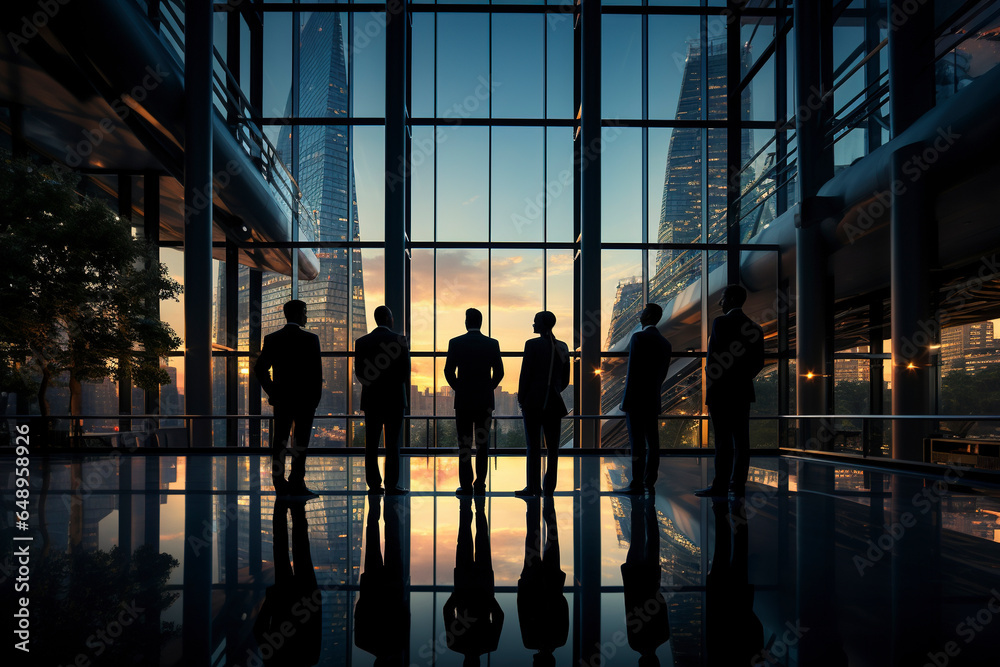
pixel 648 360
pixel 474 370
pixel 544 375
pixel 290 371
pixel 382 365
pixel 735 357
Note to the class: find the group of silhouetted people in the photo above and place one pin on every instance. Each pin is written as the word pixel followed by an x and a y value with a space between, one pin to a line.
pixel 289 370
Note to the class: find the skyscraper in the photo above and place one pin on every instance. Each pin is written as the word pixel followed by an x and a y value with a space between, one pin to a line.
pixel 319 157
pixel 688 200
pixel 325 174
pixel 685 201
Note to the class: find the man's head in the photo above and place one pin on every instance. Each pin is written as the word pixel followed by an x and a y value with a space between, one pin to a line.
pixel 545 321
pixel 383 316
pixel 295 311
pixel 651 314
pixel 733 297
pixel 473 319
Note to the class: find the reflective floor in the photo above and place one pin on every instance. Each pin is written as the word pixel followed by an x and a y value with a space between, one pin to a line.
pixel 820 565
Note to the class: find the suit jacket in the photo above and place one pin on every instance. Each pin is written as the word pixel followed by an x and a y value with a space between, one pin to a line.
pixel 289 368
pixel 382 366
pixel 535 392
pixel 476 358
pixel 735 356
pixel 648 361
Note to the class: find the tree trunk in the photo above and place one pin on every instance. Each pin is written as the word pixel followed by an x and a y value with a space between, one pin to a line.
pixel 43 386
pixel 75 404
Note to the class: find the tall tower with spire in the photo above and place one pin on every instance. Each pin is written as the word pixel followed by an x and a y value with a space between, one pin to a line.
pixel 324 170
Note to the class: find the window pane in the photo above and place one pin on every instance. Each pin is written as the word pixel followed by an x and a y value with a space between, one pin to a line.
pixel 621 66
pixel 322 65
pixel 368 67
pixel 559 61
pixel 716 67
pixel 462 282
pixel 717 184
pixel 621 294
pixel 621 185
pixel 517 196
pixel 370 291
pixel 675 285
pixel 674 67
pixel 368 148
pixel 463 65
pixel 172 311
pixel 422 65
pixel 515 296
pixel 559 292
pixel 421 186
pixel 422 300
pixel 462 183
pixel 517 65
pixel 559 178
pixel 277 59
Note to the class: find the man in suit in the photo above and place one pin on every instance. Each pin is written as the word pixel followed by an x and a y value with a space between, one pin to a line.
pixel 648 360
pixel 473 369
pixel 735 356
pixel 382 365
pixel 290 371
pixel 544 375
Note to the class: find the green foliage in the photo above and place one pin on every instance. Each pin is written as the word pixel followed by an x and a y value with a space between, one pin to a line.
pixel 964 393
pixel 80 292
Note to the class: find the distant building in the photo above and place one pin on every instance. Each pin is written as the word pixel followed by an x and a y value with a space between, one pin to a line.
pixel 968 347
pixel 852 370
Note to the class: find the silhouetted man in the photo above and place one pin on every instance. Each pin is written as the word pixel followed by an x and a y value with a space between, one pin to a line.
pixel 646 621
pixel 473 620
pixel 648 361
pixel 382 365
pixel 544 375
pixel 735 356
pixel 291 356
pixel 382 612
pixel 288 627
pixel 542 611
pixel 733 633
pixel 473 369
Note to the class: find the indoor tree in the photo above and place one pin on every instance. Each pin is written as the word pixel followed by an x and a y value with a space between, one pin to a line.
pixel 80 291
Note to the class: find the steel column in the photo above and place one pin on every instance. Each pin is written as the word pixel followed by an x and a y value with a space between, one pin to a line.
pixel 590 221
pixel 813 281
pixel 198 324
pixel 396 171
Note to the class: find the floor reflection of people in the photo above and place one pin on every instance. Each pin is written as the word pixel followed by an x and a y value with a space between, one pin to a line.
pixel 646 620
pixel 288 626
pixel 542 611
pixel 473 619
pixel 733 633
pixel 382 613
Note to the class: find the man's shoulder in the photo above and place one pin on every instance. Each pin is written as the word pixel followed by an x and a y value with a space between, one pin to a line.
pixel 299 332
